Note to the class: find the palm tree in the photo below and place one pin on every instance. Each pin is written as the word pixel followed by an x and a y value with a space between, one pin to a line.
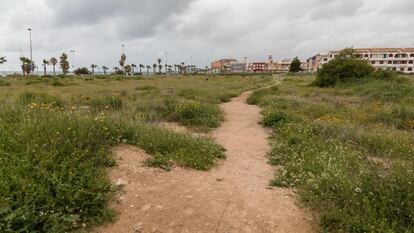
pixel 27 65
pixel 53 61
pixel 105 69
pixel 141 66
pixel 148 68
pixel 154 68
pixel 160 68
pixel 159 65
pixel 133 66
pixel 3 60
pixel 93 67
pixel 45 64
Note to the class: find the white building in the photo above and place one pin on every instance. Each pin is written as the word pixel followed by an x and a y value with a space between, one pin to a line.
pixel 397 59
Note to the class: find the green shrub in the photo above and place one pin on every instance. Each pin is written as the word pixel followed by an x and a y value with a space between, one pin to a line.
pixel 198 114
pixel 27 98
pixel 57 83
pixel 273 118
pixel 345 66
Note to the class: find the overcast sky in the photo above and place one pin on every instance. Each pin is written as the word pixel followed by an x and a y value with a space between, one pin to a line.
pixel 202 29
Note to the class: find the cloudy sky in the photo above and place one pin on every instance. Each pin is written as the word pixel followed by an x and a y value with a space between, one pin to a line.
pixel 201 29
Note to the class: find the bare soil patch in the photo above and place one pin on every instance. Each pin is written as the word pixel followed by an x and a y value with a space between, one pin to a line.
pixel 232 197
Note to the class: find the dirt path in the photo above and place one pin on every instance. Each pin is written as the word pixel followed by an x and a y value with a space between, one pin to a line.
pixel 233 197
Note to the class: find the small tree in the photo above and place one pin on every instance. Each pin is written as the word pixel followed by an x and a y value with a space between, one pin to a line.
pixel 93 67
pixel 45 64
pixel 64 63
pixel 53 61
pixel 345 66
pixel 141 66
pixel 295 66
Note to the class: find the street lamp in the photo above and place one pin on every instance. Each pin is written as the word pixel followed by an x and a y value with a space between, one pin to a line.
pixel 166 62
pixel 73 56
pixel 31 50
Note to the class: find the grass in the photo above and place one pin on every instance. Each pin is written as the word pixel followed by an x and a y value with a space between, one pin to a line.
pixel 347 150
pixel 55 141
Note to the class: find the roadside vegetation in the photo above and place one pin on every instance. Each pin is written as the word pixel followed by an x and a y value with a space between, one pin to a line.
pixel 55 140
pixel 347 150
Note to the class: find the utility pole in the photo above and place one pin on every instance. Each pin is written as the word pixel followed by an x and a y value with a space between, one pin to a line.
pixel 31 50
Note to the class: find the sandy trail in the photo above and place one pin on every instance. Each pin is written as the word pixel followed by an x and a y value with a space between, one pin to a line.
pixel 233 197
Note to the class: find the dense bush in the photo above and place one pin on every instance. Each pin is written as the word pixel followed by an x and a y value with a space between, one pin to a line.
pixel 343 67
pixel 82 71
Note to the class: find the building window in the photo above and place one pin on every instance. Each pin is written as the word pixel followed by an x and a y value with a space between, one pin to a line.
pixel 412 55
pixel 373 62
pixel 381 62
pixel 391 55
pixel 397 55
pixel 410 69
pixel 404 55
pixel 410 62
pixel 389 62
pixel 402 69
pixel 366 55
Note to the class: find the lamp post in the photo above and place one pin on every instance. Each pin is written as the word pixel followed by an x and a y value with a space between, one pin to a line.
pixel 73 56
pixel 191 64
pixel 31 50
pixel 166 62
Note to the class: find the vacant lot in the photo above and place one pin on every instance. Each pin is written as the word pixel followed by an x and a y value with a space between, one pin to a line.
pixel 56 135
pixel 348 150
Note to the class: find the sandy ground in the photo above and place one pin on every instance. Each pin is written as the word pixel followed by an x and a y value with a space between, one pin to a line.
pixel 233 197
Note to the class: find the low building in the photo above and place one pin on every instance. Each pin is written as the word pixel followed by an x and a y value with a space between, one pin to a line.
pixel 397 59
pixel 222 66
pixel 279 66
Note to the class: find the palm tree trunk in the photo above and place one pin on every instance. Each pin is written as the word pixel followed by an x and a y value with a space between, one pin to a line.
pixel 54 71
pixel 44 70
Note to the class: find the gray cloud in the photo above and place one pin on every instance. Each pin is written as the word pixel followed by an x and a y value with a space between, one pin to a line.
pixel 201 29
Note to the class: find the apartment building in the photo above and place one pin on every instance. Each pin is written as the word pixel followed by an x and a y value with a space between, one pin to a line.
pixel 257 67
pixel 397 59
